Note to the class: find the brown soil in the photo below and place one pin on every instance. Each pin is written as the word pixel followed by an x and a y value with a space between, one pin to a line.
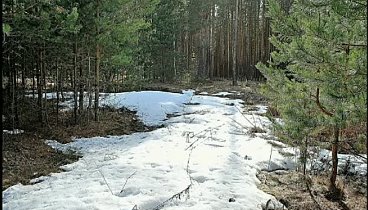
pixel 292 188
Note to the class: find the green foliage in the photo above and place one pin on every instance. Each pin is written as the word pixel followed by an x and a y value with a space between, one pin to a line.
pixel 6 29
pixel 159 42
pixel 323 46
pixel 120 26
pixel 71 25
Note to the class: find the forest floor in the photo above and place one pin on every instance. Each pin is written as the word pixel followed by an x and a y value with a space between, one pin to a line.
pixel 26 156
pixel 246 91
pixel 300 193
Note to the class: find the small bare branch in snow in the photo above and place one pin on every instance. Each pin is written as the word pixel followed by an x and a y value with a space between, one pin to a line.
pixel 126 181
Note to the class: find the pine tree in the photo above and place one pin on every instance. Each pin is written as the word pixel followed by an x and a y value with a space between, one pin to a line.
pixel 317 78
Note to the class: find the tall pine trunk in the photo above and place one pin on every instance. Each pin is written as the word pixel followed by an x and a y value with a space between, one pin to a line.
pixel 98 60
pixel 235 41
pixel 89 108
pixel 81 90
pixel 75 92
pixel 57 83
pixel 39 88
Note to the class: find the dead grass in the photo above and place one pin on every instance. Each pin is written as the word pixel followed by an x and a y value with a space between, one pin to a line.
pixel 248 91
pixel 256 129
pixel 292 187
pixel 272 111
pixel 111 122
pixel 26 156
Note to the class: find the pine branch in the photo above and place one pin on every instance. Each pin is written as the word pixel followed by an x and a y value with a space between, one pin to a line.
pixel 354 45
pixel 360 3
pixel 323 109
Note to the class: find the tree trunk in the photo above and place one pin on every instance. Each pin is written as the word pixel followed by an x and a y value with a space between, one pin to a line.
pixel 13 84
pixel 43 69
pixel 89 108
pixel 228 43
pixel 235 40
pixel 57 83
pixel 98 60
pixel 39 89
pixel 174 58
pixel 81 90
pixel 305 152
pixel 212 53
pixel 75 92
pixel 334 159
pixel 34 83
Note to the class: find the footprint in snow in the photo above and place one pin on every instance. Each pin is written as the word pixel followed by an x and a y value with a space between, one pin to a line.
pixel 130 191
pixel 154 165
pixel 201 179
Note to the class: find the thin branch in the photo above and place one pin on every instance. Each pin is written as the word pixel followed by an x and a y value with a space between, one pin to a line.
pixel 360 3
pixel 323 109
pixel 354 45
pixel 354 152
pixel 311 194
pixel 245 117
pixel 183 192
pixel 126 181
pixel 176 196
pixel 198 138
pixel 101 175
pixel 105 181
pixel 203 131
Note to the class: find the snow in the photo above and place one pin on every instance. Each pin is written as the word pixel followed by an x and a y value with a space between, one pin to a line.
pixel 222 94
pixel 15 131
pixel 53 95
pixel 152 106
pixel 347 163
pixel 202 157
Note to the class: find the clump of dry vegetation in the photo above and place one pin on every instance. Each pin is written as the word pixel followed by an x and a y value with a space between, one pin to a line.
pixel 301 192
pixel 26 156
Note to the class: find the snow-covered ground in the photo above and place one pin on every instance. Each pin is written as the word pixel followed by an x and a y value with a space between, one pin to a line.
pixel 202 159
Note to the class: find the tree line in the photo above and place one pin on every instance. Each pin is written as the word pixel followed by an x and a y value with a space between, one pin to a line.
pixel 94 46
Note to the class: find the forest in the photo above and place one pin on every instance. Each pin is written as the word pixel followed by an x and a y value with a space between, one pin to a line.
pixel 88 69
pixel 115 45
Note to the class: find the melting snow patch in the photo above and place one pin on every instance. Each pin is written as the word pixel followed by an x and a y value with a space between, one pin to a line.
pixel 15 131
pixel 222 94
